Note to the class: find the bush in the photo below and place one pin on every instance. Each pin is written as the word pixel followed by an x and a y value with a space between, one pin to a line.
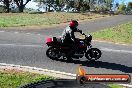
pixel 120 12
pixel 121 9
pixel 2 9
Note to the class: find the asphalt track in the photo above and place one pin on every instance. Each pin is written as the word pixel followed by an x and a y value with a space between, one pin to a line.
pixel 63 83
pixel 28 48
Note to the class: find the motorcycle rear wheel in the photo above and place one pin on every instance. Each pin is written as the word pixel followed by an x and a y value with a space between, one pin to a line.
pixel 93 54
pixel 52 53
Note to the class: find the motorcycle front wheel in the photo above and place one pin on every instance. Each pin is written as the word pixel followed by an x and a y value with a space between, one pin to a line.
pixel 93 54
pixel 52 53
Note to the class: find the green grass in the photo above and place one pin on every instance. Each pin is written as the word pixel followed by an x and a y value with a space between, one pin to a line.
pixel 118 34
pixel 13 78
pixel 25 19
pixel 115 86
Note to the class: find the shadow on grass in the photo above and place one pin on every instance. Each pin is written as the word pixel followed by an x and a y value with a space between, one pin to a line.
pixel 62 83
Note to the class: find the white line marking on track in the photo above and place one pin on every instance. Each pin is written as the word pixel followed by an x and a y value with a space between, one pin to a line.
pixel 2 31
pixel 39 70
pixel 38 34
pixel 28 33
pixel 16 32
pixel 126 85
pixel 104 49
pixel 20 45
pixel 113 50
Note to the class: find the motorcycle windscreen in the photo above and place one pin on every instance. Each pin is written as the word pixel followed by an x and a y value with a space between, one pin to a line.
pixel 79 35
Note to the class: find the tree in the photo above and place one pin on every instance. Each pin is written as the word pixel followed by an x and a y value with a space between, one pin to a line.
pixel 122 7
pixel 6 4
pixel 78 4
pixel 92 4
pixel 46 3
pixel 59 4
pixel 108 4
pixel 82 5
pixel 86 6
pixel 130 5
pixel 21 5
pixel 2 9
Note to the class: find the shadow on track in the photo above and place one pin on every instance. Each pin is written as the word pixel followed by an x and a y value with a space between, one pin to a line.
pixel 62 83
pixel 101 64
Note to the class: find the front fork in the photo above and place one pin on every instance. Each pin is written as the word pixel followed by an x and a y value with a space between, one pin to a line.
pixel 89 46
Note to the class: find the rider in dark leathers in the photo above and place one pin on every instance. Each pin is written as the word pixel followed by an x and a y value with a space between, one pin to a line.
pixel 68 37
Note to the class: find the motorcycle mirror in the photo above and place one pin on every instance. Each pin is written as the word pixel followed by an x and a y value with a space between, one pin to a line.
pixel 83 34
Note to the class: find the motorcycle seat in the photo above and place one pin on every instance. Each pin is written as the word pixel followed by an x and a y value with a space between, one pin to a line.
pixel 57 40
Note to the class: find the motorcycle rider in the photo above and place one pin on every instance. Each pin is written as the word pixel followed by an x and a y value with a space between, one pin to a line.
pixel 68 37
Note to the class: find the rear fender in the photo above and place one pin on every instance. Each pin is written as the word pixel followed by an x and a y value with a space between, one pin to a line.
pixel 50 43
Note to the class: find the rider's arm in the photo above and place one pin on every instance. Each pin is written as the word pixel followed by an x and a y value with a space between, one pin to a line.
pixel 72 36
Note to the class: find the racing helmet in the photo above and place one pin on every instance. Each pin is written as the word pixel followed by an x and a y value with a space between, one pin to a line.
pixel 73 23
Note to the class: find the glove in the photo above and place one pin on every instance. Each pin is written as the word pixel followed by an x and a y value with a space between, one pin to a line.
pixel 79 31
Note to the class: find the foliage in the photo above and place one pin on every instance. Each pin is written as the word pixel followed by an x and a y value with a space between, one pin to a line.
pixel 20 4
pixel 103 6
pixel 2 9
pixel 108 4
pixel 129 7
pixel 121 9
pixel 6 4
pixel 79 5
pixel 82 5
pixel 48 4
pixel 58 5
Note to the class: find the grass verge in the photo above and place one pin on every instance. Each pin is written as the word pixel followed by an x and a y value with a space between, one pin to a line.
pixel 10 78
pixel 15 78
pixel 115 86
pixel 25 19
pixel 119 34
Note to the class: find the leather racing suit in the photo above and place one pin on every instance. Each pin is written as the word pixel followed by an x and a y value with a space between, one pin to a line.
pixel 68 38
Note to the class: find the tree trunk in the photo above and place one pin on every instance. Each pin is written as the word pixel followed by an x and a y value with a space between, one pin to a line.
pixel 21 5
pixel 48 8
pixel 8 8
pixel 6 2
pixel 80 5
pixel 21 8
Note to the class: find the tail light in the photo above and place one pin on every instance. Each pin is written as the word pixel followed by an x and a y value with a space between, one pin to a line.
pixel 49 40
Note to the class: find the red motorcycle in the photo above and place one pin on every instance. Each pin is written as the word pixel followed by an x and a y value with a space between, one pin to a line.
pixel 57 50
